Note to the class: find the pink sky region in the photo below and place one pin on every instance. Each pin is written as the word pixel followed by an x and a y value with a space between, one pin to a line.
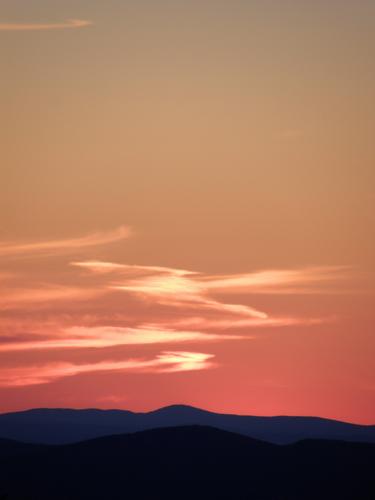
pixel 187 206
pixel 89 317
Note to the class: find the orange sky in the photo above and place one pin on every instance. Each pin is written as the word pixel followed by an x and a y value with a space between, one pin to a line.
pixel 186 205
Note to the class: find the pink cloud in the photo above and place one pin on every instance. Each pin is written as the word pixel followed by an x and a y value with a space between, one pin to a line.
pixel 224 324
pixel 63 246
pixel 109 336
pixel 277 281
pixel 133 305
pixel 98 266
pixel 178 288
pixel 165 362
pixel 17 298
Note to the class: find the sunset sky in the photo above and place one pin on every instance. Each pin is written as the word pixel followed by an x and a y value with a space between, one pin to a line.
pixel 187 210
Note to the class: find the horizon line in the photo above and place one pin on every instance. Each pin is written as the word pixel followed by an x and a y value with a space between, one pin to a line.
pixel 183 405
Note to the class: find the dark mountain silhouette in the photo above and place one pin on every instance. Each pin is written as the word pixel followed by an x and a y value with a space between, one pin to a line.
pixel 188 462
pixel 62 426
pixel 9 447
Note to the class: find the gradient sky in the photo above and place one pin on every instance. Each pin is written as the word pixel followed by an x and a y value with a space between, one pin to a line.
pixel 187 205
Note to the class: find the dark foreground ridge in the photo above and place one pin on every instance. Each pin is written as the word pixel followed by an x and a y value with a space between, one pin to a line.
pixel 62 426
pixel 187 462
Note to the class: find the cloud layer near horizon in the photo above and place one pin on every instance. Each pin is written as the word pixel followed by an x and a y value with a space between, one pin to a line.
pixel 95 304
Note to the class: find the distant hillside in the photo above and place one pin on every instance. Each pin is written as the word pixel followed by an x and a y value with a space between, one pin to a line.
pixel 62 426
pixel 187 462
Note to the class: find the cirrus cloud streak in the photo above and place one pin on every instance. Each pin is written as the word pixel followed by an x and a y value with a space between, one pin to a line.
pixel 62 312
pixel 101 336
pixel 165 362
pixel 63 246
pixel 69 24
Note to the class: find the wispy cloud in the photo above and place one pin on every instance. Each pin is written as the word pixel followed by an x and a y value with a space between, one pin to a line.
pixel 100 267
pixel 165 362
pixel 69 24
pixel 194 294
pixel 180 283
pixel 20 298
pixel 116 305
pixel 234 324
pixel 63 246
pixel 108 336
pixel 187 289
pixel 177 288
pixel 293 281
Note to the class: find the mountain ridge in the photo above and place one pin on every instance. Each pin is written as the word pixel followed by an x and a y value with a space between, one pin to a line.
pixel 65 425
pixel 176 407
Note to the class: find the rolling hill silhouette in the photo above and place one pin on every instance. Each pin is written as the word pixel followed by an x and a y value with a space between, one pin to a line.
pixel 62 426
pixel 187 462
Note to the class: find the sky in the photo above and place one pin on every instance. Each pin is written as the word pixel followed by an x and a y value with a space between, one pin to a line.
pixel 186 205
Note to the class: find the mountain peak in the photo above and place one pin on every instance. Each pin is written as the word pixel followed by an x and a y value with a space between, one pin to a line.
pixel 177 409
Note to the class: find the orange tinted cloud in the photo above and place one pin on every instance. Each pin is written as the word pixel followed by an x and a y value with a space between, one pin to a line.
pixel 192 289
pixel 176 306
pixel 108 336
pixel 179 288
pixel 276 281
pixel 187 290
pixel 165 362
pixel 108 267
pixel 20 298
pixel 191 285
pixel 196 316
pixel 63 246
pixel 177 361
pixel 224 324
pixel 70 23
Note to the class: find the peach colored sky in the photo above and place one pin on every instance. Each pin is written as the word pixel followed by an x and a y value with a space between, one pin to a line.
pixel 186 205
